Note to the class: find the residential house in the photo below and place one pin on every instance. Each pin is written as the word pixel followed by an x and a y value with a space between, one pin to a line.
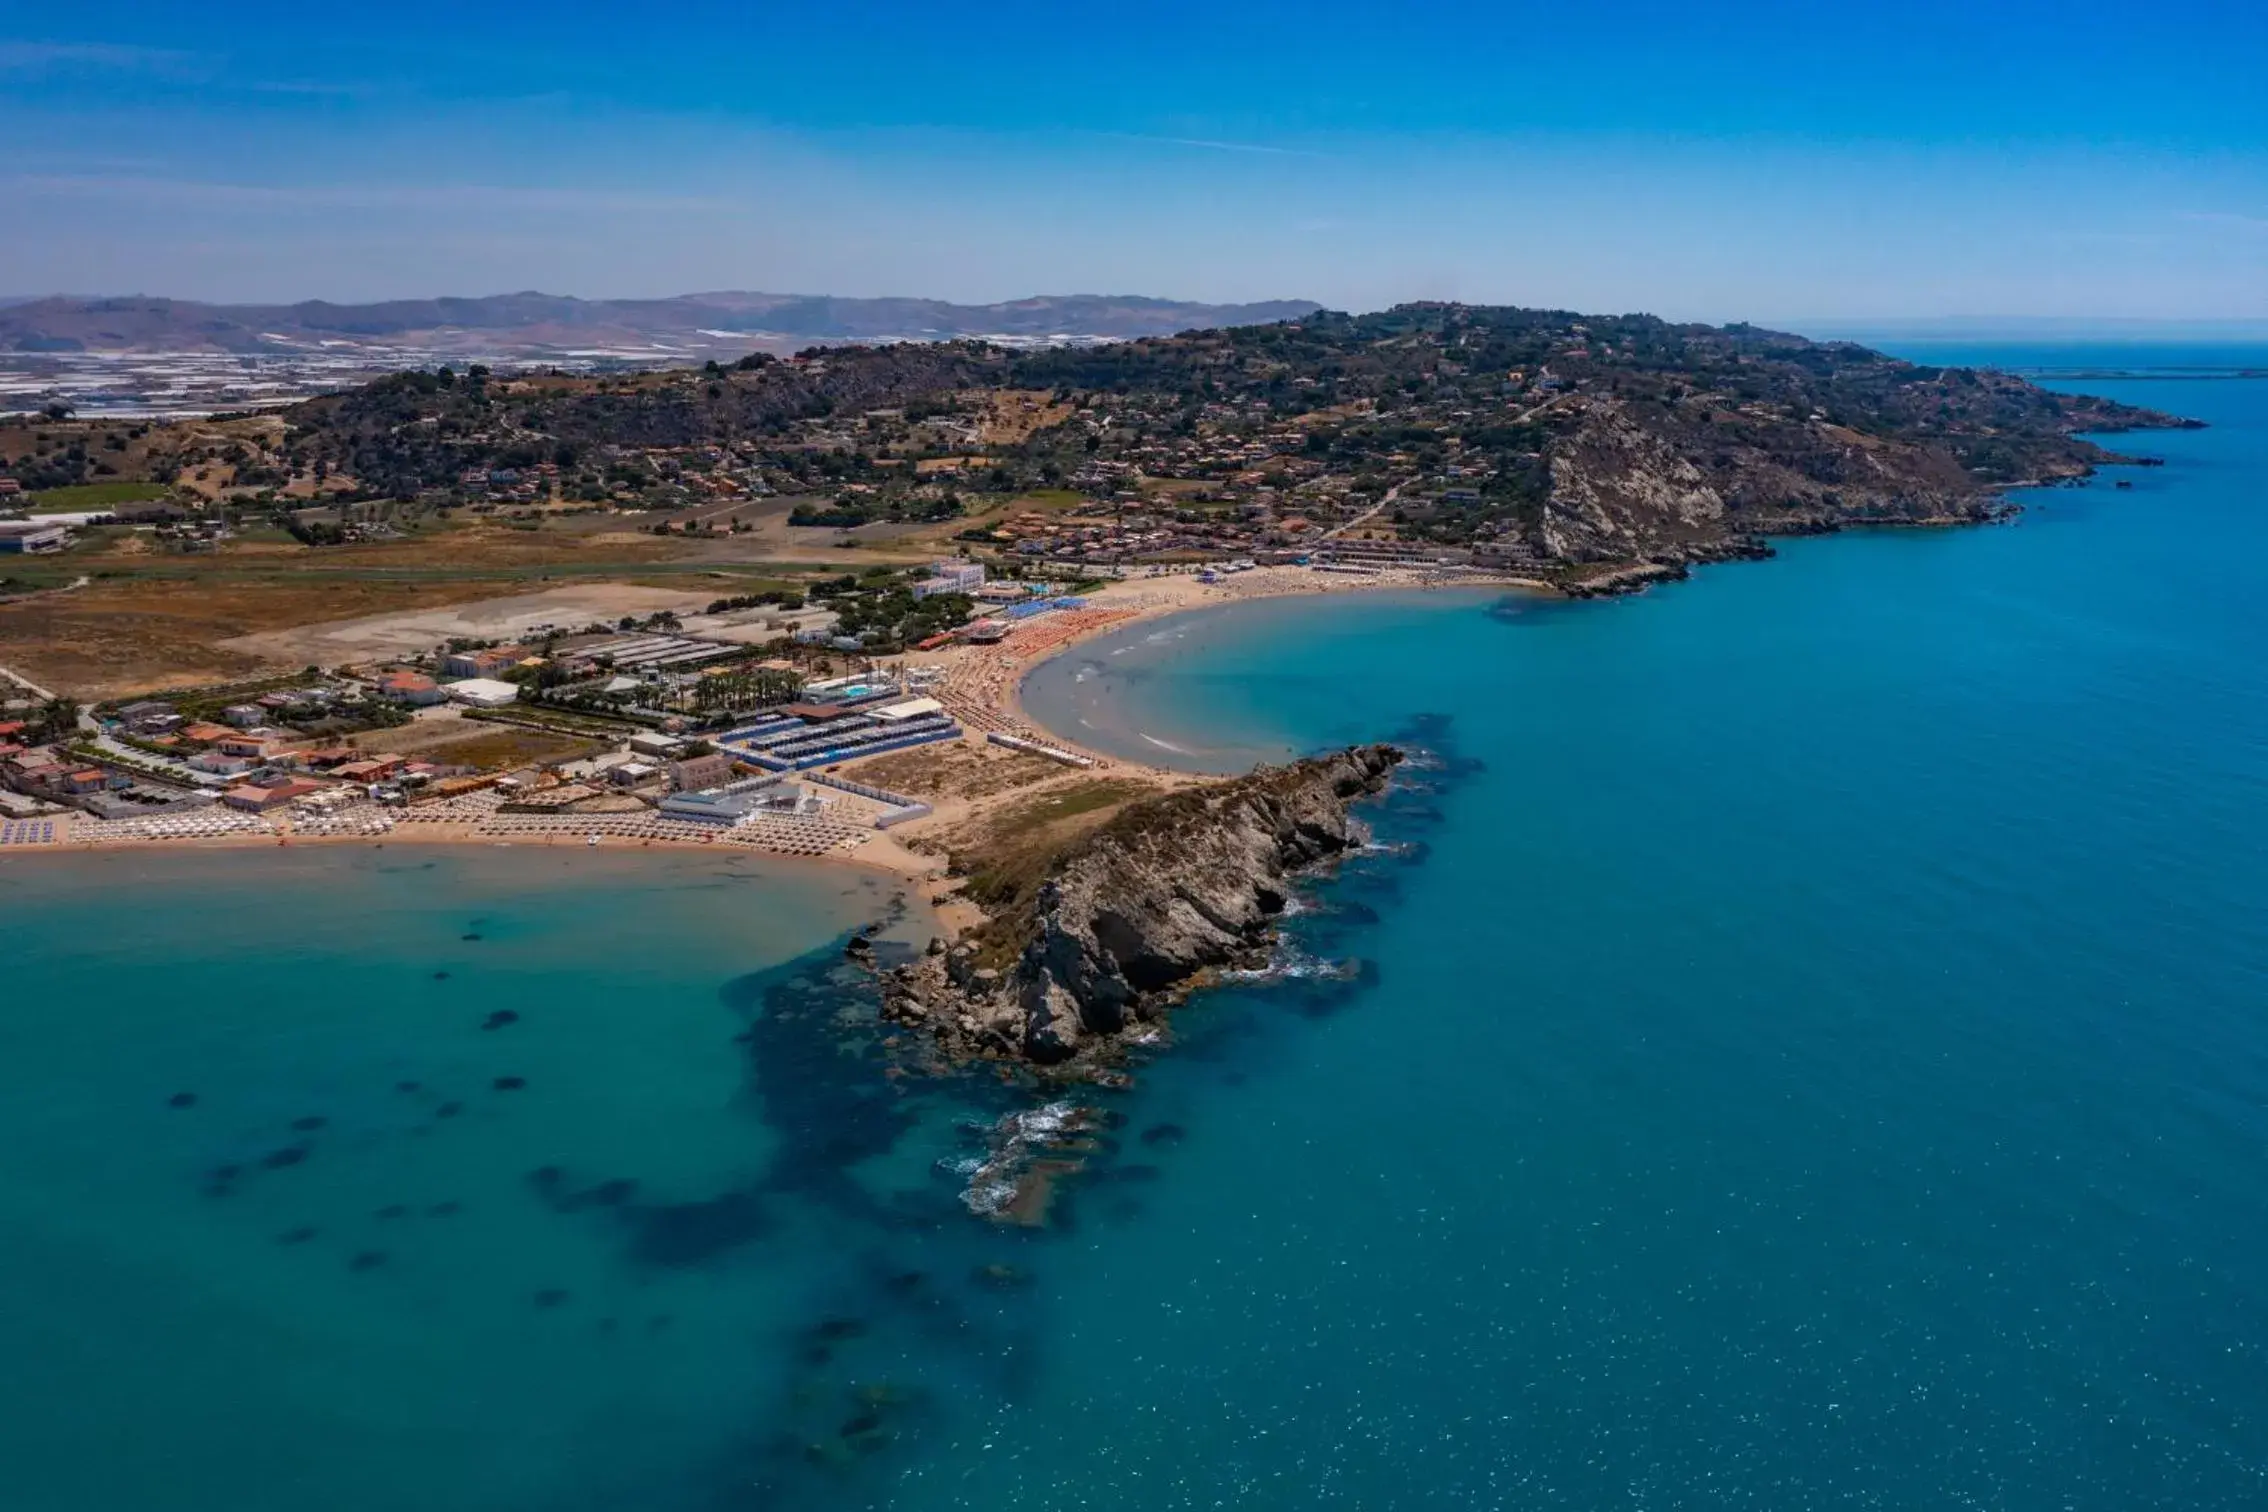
pixel 631 773
pixel 255 744
pixel 694 773
pixel 148 715
pixel 413 688
pixel 950 577
pixel 485 663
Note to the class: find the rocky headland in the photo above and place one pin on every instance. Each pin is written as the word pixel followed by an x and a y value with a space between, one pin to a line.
pixel 1125 922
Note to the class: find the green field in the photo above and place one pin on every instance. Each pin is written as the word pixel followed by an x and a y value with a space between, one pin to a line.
pixel 85 496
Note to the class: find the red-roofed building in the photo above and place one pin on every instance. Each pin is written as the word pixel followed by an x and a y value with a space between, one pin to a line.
pixel 413 688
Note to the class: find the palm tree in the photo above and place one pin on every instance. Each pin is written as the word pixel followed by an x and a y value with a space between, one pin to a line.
pixel 57 718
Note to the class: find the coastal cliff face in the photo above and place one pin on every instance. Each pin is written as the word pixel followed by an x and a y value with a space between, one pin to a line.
pixel 1132 917
pixel 1647 490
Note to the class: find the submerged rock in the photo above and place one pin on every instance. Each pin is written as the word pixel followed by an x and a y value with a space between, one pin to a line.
pixel 509 1083
pixel 182 1100
pixel 499 1019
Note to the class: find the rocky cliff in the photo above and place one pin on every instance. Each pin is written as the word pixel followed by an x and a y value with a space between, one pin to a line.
pixel 1133 916
pixel 1645 489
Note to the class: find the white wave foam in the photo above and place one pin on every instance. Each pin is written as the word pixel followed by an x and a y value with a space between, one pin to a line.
pixel 1293 964
pixel 994 1179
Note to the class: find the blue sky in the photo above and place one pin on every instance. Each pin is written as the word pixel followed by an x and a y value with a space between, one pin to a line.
pixel 1815 162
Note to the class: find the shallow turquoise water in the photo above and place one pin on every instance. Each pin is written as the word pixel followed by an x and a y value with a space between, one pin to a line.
pixel 1807 1050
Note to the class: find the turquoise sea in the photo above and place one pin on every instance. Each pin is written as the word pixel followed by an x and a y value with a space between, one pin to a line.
pixel 1801 1042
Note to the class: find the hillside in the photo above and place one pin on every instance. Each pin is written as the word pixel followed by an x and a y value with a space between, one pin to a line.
pixel 1536 438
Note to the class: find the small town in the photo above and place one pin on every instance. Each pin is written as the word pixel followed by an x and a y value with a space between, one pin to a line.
pixel 748 724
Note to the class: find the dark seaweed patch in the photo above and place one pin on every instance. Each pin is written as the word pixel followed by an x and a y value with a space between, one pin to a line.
pixel 182 1100
pixel 499 1019
pixel 695 1233
pixel 509 1083
pixel 289 1155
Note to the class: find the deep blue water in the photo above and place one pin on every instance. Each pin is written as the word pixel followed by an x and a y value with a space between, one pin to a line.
pixel 1803 1047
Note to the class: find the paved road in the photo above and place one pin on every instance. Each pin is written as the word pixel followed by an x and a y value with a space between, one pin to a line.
pixel 25 683
pixel 1367 515
pixel 1393 493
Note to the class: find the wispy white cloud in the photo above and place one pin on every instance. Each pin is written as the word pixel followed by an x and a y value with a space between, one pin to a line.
pixel 37 59
pixel 204 193
pixel 1211 144
pixel 46 57
pixel 2255 225
pixel 310 87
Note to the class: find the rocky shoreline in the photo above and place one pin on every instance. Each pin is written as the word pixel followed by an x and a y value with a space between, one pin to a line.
pixel 1133 917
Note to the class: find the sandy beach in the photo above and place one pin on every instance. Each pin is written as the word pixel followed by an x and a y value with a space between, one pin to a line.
pixel 983 684
pixel 980 685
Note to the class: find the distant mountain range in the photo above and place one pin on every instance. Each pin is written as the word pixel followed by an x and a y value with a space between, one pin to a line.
pixel 532 326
